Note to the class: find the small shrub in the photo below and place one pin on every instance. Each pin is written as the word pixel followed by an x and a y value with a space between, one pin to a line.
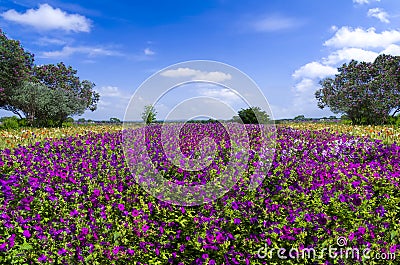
pixel 10 123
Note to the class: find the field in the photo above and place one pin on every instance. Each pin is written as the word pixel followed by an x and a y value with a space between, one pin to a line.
pixel 68 197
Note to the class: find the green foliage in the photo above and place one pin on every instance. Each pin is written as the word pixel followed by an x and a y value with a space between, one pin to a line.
pixel 394 120
pixel 42 93
pixel 299 117
pixel 115 120
pixel 10 123
pixel 252 115
pixel 44 106
pixel 366 92
pixel 15 67
pixel 149 114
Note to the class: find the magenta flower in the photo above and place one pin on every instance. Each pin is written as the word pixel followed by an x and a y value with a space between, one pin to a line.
pixel 42 258
pixel 26 234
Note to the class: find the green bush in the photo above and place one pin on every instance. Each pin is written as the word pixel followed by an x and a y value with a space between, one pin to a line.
pixel 22 122
pixel 10 123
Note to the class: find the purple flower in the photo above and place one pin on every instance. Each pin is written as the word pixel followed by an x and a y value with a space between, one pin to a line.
pixel 135 212
pixel 96 192
pixel 235 205
pixel 42 258
pixel 84 231
pixel 61 251
pixel 393 249
pixel 145 228
pixel 116 250
pixel 182 248
pixel 121 207
pixel 26 234
pixel 236 221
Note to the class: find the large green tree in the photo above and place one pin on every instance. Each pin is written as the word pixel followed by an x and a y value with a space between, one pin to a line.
pixel 62 77
pixel 366 92
pixel 44 106
pixel 42 93
pixel 15 67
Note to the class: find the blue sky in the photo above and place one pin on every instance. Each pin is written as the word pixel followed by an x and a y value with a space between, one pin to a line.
pixel 286 47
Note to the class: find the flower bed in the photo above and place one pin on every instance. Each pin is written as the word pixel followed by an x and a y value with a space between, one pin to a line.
pixel 73 200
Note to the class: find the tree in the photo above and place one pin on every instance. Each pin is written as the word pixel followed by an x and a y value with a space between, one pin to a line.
pixel 149 114
pixel 15 68
pixel 115 120
pixel 252 115
pixel 366 92
pixel 75 96
pixel 300 117
pixel 44 106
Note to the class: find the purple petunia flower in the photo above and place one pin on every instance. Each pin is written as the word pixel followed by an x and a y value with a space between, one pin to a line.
pixel 145 228
pixel 61 251
pixel 42 258
pixel 96 192
pixel 26 234
pixel 235 206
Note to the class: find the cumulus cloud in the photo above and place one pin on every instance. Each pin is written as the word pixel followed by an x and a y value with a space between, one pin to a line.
pixel 392 49
pixel 275 23
pixel 348 54
pixel 314 70
pixel 379 14
pixel 67 51
pixel 48 18
pixel 197 74
pixel 360 38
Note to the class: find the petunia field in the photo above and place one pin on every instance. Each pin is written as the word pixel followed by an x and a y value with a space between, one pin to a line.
pixel 76 200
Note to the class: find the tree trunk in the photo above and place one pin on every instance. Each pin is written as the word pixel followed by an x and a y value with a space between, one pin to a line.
pixel 17 112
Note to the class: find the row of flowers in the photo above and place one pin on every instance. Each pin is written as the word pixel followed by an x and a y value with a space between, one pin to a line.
pixel 74 200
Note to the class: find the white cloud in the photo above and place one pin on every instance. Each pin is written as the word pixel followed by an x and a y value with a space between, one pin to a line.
pixel 379 14
pixel 305 85
pixel 314 70
pixel 90 51
pixel 361 2
pixel 148 51
pixel 348 54
pixel 45 41
pixel 48 18
pixel 113 102
pixel 197 74
pixel 392 49
pixel 275 23
pixel 111 91
pixel 360 38
pixel 224 94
